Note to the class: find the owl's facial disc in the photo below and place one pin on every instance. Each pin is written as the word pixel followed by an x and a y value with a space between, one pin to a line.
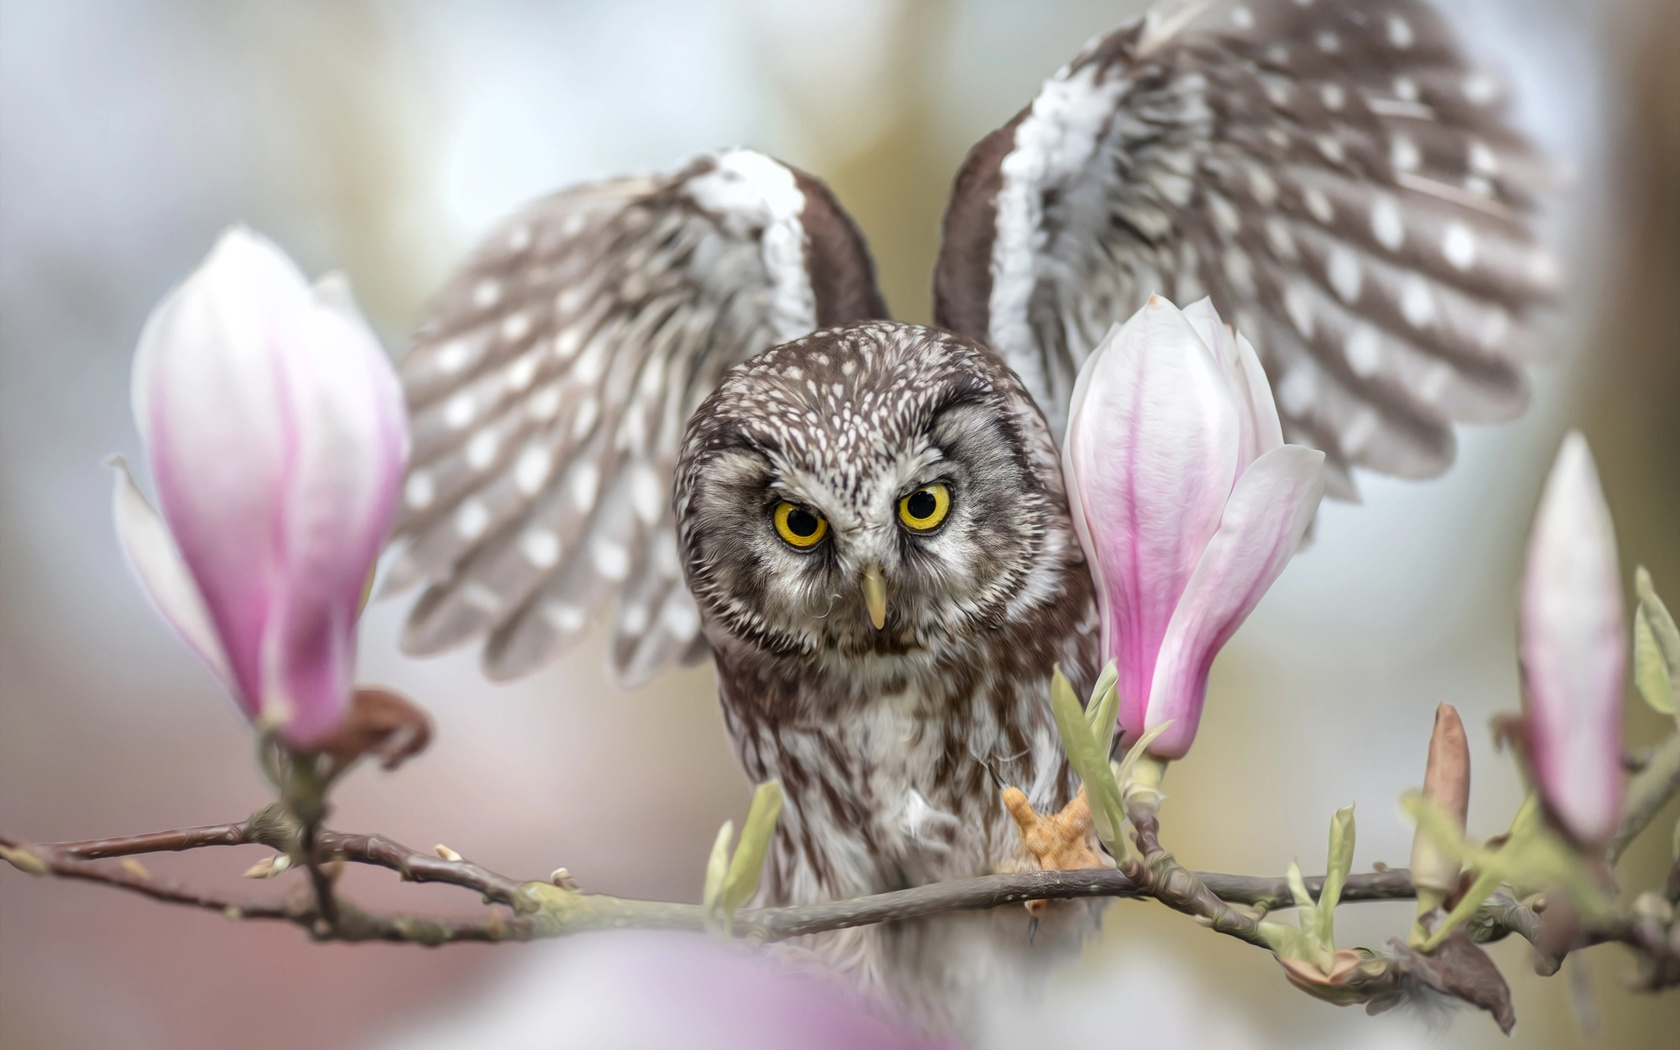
pixel 871 491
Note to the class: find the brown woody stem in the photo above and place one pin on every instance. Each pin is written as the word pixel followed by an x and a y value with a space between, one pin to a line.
pixel 1207 895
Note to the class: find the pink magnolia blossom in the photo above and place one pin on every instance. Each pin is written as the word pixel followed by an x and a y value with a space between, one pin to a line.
pixel 1574 651
pixel 276 436
pixel 1186 500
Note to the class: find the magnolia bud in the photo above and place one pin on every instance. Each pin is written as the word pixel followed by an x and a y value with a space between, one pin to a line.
pixel 1446 783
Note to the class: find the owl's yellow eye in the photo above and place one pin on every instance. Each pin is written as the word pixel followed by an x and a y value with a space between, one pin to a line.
pixel 925 508
pixel 800 526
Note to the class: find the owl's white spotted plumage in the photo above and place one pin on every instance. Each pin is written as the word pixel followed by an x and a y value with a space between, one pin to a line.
pixel 1333 173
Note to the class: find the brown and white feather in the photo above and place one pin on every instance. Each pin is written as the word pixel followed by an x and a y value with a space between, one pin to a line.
pixel 551 384
pixel 1337 176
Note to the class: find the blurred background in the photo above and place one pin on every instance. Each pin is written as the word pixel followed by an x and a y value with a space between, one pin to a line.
pixel 381 138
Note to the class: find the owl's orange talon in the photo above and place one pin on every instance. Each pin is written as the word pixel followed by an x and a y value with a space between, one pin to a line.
pixel 1064 841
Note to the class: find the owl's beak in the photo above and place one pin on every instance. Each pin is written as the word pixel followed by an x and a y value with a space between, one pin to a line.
pixel 875 594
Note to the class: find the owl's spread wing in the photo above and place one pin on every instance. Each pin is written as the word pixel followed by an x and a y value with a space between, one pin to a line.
pixel 551 384
pixel 1335 175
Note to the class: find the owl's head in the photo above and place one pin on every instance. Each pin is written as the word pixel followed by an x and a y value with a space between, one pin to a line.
pixel 873 488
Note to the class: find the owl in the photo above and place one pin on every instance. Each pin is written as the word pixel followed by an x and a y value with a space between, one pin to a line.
pixel 679 396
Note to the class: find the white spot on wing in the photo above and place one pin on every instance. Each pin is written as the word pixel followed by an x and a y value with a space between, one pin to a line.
pixel 471 519
pixel 1364 351
pixel 458 412
pixel 584 421
pixel 1417 302
pixel 1344 272
pixel 516 327
pixel 1481 88
pixel 541 548
pixel 1400 32
pixel 585 480
pixel 1282 242
pixel 1298 389
pixel 520 373
pixel 1387 226
pixel 1458 244
pixel 531 471
pixel 1319 205
pixel 481 450
pixel 1224 214
pixel 452 356
pixel 565 618
pixel 647 496
pixel 544 403
pixel 1298 303
pixel 419 491
pixel 1403 153
pixel 610 559
pixel 570 299
pixel 487 293
pixel 1240 271
pixel 1482 159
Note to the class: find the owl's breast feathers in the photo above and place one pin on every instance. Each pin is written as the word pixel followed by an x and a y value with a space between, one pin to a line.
pixel 885 767
pixel 888 762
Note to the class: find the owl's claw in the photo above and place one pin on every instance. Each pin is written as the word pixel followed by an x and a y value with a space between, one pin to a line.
pixel 1064 841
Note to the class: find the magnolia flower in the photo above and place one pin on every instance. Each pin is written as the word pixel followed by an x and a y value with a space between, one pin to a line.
pixel 276 436
pixel 1573 651
pixel 1187 502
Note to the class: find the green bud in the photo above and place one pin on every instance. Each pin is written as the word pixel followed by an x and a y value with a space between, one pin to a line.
pixel 745 867
pixel 1656 649
pixel 717 866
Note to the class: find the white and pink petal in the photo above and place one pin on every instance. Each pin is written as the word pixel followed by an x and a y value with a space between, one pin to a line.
pixel 1269 511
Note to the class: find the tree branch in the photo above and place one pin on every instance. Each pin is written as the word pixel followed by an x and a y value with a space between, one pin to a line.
pixel 89 861
pixel 111 862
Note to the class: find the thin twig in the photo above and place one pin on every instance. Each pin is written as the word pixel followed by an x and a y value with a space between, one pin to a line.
pixel 159 841
pixel 415 866
pixel 1162 877
pixel 377 850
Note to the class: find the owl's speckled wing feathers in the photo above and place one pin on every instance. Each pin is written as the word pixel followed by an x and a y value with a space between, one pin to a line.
pixel 551 384
pixel 1335 174
pixel 1337 177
